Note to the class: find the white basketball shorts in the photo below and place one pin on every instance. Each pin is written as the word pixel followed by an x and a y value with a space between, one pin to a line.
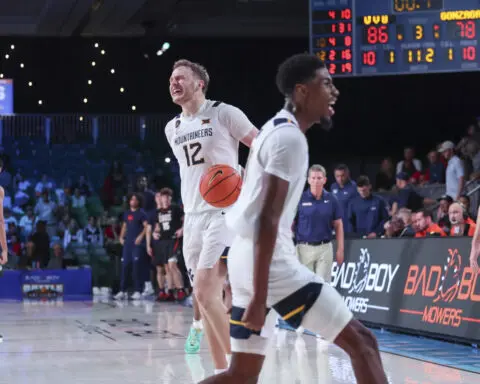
pixel 295 293
pixel 205 240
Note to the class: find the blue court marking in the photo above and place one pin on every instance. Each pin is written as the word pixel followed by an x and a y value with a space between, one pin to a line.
pixel 452 355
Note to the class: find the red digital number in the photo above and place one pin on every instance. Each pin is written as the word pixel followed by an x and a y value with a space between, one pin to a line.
pixel 347 54
pixel 370 58
pixel 332 55
pixel 467 29
pixel 332 41
pixel 332 15
pixel 469 53
pixel 347 68
pixel 332 68
pixel 349 27
pixel 341 27
pixel 346 14
pixel 377 34
pixel 334 28
pixel 348 41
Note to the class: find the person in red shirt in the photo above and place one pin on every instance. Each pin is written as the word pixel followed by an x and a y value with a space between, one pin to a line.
pixel 424 225
pixel 461 224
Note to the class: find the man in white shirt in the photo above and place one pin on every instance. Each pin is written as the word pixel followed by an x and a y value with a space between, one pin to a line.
pixel 265 273
pixel 455 176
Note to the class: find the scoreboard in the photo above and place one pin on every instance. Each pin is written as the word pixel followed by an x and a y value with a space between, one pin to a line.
pixel 388 37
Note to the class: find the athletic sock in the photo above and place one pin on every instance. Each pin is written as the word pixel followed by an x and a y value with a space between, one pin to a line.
pixel 197 324
pixel 218 371
pixel 229 358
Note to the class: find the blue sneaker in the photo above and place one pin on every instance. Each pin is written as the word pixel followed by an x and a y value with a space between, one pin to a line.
pixel 194 339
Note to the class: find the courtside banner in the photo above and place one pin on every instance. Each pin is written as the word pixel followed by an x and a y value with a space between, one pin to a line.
pixel 416 284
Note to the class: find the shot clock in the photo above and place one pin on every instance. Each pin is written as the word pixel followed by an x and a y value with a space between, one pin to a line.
pixel 387 37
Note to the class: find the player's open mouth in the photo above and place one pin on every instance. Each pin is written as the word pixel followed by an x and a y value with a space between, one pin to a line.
pixel 330 108
pixel 176 91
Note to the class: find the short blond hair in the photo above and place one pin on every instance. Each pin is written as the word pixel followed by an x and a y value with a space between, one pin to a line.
pixel 317 168
pixel 198 70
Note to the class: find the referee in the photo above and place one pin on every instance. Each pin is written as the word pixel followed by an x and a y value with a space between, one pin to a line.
pixel 319 214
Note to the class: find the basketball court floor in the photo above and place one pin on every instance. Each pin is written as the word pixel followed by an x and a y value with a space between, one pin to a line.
pixel 142 343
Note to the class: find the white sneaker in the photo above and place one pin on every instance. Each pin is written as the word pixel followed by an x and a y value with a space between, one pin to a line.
pixel 136 296
pixel 148 290
pixel 120 296
pixel 105 291
pixel 96 291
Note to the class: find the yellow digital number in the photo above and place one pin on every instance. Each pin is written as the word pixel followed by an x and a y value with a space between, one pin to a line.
pixel 450 54
pixel 429 55
pixel 322 55
pixel 419 32
pixel 410 56
pixel 392 57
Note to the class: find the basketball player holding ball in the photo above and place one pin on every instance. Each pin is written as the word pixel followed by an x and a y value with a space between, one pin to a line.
pixel 205 134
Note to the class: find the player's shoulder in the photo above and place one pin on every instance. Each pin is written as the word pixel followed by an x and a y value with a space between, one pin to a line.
pixel 173 123
pixel 220 108
pixel 283 128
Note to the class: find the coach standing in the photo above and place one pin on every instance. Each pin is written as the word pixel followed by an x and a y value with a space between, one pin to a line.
pixel 319 213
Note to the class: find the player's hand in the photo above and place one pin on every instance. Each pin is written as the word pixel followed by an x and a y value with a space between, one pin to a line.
pixel 4 258
pixel 340 256
pixel 179 233
pixel 122 240
pixel 254 316
pixel 150 251
pixel 156 236
pixel 138 241
pixel 372 235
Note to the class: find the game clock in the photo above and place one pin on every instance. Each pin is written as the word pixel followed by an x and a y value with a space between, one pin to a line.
pixel 385 37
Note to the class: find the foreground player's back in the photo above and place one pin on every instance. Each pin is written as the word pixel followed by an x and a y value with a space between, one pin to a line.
pixel 208 138
pixel 280 149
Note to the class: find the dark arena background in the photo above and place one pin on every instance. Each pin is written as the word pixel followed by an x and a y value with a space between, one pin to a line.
pixel 84 100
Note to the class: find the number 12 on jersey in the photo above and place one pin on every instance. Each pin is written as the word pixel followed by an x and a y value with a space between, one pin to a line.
pixel 192 153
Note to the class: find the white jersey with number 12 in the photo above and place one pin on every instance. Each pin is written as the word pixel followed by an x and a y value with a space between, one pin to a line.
pixel 208 138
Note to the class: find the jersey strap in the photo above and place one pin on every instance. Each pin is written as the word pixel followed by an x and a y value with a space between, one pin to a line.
pixel 216 104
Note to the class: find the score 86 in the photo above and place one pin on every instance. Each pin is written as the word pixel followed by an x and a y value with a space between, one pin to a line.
pixel 377 34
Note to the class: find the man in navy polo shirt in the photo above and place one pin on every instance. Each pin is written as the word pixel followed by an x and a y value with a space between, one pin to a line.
pixel 367 212
pixel 319 214
pixel 344 190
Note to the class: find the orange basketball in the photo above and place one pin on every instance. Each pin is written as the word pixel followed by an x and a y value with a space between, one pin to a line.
pixel 220 186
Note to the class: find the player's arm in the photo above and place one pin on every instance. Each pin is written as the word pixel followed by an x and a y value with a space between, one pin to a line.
pixel 475 246
pixel 3 234
pixel 149 239
pixel 123 232
pixel 238 124
pixel 140 237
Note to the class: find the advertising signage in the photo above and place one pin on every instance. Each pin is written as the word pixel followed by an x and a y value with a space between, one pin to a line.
pixel 421 285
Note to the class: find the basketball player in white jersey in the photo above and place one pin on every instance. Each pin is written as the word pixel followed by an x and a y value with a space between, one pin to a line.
pixel 205 133
pixel 265 273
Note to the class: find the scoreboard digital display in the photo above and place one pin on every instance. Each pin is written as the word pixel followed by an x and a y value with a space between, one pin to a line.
pixel 388 37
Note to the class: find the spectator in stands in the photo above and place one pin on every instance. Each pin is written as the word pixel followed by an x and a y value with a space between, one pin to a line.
pixel 5 176
pixel 83 186
pixel 73 235
pixel 57 261
pixel 79 207
pixel 367 213
pixel 455 180
pixel 385 179
pixel 27 222
pixel 344 189
pixel 20 183
pixel 45 211
pixel 424 226
pixel 406 196
pixel 111 233
pixel 443 221
pixel 435 172
pixel 8 218
pixel 409 164
pixel 394 227
pixel 41 245
pixel 465 201
pixel 405 215
pixel 63 224
pixel 43 186
pixel 92 233
pixel 458 219
pixel 21 198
